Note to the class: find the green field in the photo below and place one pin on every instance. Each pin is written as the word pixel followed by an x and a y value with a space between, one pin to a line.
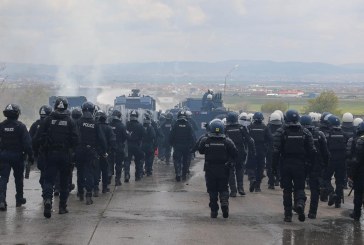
pixel 250 103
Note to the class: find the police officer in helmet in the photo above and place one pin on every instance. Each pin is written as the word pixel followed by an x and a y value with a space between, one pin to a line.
pixel 102 165
pixel 93 144
pixel 242 140
pixel 182 139
pixel 15 144
pixel 262 138
pixel 321 161
pixel 58 137
pixel 356 173
pixel 220 153
pixel 136 133
pixel 44 111
pixel 293 148
pixel 117 158
pixel 337 146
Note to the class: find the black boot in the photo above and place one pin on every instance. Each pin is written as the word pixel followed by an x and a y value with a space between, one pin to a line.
pixel 89 198
pixel 214 214
pixel 47 208
pixel 241 191
pixel 3 205
pixel 105 189
pixel 20 200
pixel 311 215
pixel 257 187
pixel 63 208
pixel 117 182
pixel 81 196
pixel 96 191
pixel 252 186
pixel 225 211
pixel 332 199
pixel 126 178
pixel 300 208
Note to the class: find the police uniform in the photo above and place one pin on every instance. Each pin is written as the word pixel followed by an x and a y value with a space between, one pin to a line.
pixel 292 147
pixel 273 180
pixel 148 146
pixel 337 146
pixel 102 168
pixel 218 150
pixel 262 138
pixel 315 170
pixel 58 136
pixel 357 175
pixel 116 159
pixel 182 140
pixel 136 133
pixel 166 128
pixel 240 136
pixel 93 144
pixel 15 144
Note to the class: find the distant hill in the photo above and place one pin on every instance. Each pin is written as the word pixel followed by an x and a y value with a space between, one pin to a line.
pixel 188 72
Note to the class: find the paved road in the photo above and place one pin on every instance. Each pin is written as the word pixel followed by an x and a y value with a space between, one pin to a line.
pixel 158 210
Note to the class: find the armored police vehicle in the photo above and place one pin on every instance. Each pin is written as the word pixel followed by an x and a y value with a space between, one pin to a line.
pixel 135 101
pixel 204 109
pixel 73 101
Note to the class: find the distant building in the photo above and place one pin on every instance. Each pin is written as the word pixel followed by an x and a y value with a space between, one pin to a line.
pixel 290 93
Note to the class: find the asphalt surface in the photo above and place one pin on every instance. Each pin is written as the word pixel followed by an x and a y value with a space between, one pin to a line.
pixel 158 210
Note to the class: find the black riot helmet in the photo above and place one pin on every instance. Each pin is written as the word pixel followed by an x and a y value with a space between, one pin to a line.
pixel 76 113
pixel 88 107
pixel 169 116
pixel 134 115
pixel 216 126
pixel 100 116
pixel 258 116
pixel 360 129
pixel 324 117
pixel 44 111
pixel 12 111
pixel 61 104
pixel 116 114
pixel 306 120
pixel 181 115
pixel 333 121
pixel 232 118
pixel 292 116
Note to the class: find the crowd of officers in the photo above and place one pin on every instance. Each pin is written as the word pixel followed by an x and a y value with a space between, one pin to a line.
pixel 296 151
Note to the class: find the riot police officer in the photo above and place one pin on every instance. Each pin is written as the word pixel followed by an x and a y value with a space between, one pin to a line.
pixel 220 152
pixel 58 137
pixel 117 158
pixel 321 161
pixel 293 147
pixel 356 173
pixel 275 122
pixel 166 128
pixel 102 165
pixel 44 111
pixel 337 145
pixel 182 140
pixel 240 136
pixel 15 143
pixel 93 144
pixel 263 139
pixel 136 133
pixel 148 144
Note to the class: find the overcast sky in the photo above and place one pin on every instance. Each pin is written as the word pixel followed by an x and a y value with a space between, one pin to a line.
pixel 69 32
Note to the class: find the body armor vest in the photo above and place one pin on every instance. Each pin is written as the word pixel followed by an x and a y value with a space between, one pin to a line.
pixel 216 151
